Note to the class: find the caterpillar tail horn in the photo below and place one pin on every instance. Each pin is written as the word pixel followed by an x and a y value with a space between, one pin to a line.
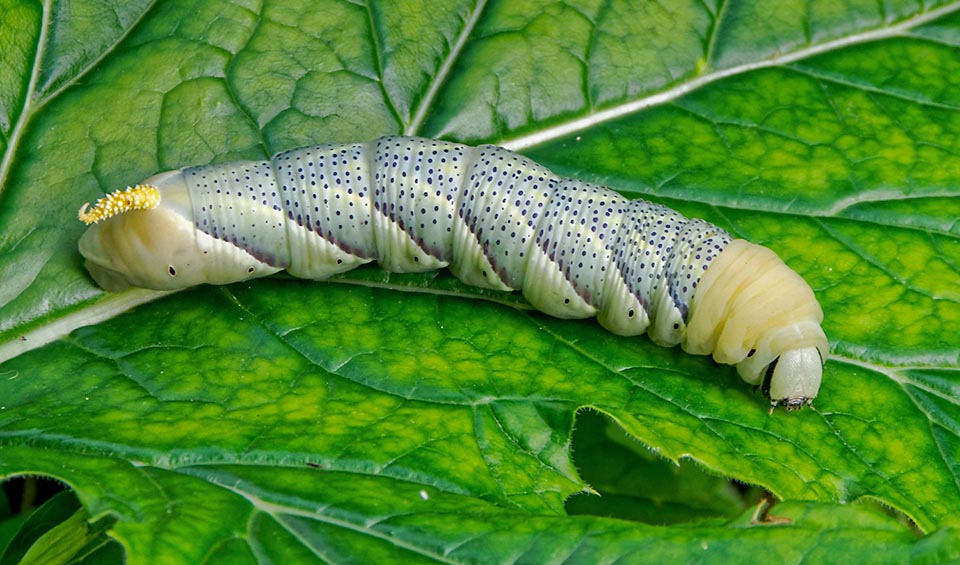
pixel 145 237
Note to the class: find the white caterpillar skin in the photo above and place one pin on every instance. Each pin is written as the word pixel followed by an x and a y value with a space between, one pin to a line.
pixel 497 220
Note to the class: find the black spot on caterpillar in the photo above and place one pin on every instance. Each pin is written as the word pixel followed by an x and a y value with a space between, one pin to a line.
pixel 496 219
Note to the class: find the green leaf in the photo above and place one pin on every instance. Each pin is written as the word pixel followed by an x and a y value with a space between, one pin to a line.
pixel 57 532
pixel 282 419
pixel 636 484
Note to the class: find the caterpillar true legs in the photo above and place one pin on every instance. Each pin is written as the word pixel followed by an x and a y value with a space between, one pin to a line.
pixel 497 219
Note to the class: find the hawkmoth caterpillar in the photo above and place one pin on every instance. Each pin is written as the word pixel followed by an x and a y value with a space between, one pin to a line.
pixel 496 219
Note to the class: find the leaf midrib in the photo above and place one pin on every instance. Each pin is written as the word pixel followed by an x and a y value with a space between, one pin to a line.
pixel 618 111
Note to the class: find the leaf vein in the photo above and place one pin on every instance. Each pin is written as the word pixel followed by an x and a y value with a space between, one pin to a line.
pixel 589 120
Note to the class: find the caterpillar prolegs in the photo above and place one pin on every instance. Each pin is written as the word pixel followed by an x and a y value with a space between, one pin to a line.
pixel 496 219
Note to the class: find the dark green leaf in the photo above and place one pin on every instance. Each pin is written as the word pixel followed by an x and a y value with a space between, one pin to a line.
pixel 284 419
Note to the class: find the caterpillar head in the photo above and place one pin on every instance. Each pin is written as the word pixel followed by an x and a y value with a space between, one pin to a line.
pixel 145 236
pixel 753 311
pixel 793 379
pixel 787 360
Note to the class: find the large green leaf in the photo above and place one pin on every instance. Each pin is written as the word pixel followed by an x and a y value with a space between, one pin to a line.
pixel 347 420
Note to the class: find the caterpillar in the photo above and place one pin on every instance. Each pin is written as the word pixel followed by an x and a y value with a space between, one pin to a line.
pixel 497 219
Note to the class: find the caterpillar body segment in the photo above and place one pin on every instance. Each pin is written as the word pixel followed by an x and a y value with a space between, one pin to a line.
pixel 496 219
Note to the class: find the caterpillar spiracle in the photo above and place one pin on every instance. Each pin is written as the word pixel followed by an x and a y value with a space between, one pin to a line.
pixel 496 219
